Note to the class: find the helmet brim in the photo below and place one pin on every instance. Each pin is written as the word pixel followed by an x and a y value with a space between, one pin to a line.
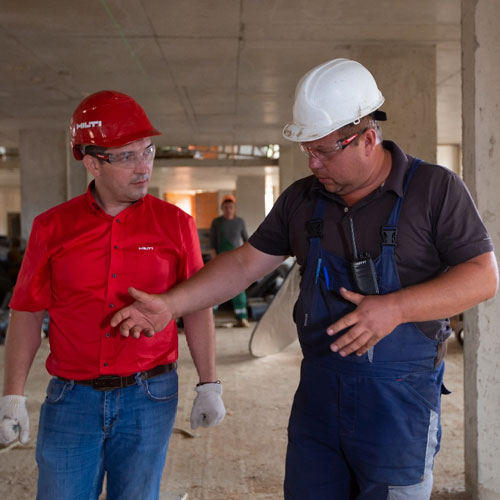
pixel 301 133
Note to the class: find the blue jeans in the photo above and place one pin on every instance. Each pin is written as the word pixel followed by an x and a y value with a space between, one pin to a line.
pixel 84 433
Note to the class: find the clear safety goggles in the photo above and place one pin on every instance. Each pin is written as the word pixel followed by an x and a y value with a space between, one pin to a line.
pixel 126 159
pixel 325 153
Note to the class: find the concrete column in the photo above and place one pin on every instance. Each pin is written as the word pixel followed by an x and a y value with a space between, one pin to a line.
pixel 450 155
pixel 49 175
pixel 250 200
pixel 77 177
pixel 481 133
pixel 406 76
pixel 293 165
pixel 43 156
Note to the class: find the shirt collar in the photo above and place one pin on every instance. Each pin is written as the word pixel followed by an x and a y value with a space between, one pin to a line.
pixel 400 165
pixel 94 206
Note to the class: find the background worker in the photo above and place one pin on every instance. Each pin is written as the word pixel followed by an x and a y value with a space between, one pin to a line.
pixel 228 232
pixel 388 247
pixel 111 403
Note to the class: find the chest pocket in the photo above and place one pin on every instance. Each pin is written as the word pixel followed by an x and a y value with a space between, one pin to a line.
pixel 155 268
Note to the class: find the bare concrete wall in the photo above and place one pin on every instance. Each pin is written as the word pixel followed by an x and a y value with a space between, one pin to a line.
pixel 49 173
pixel 481 126
pixel 293 165
pixel 77 177
pixel 406 76
pixel 43 173
pixel 250 193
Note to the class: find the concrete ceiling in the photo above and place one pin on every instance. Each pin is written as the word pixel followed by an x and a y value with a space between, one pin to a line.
pixel 206 71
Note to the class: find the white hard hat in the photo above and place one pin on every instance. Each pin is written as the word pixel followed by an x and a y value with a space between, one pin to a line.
pixel 330 96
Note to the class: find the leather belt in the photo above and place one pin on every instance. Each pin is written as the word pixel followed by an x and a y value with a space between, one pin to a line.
pixel 110 382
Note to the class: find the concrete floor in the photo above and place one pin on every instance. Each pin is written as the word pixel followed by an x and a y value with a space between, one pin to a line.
pixel 242 459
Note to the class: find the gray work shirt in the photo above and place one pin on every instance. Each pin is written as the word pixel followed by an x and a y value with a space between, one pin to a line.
pixel 233 231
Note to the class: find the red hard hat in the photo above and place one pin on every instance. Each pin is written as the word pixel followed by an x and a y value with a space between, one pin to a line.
pixel 109 119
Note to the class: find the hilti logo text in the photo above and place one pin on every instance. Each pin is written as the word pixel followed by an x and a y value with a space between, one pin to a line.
pixel 96 123
pixel 146 248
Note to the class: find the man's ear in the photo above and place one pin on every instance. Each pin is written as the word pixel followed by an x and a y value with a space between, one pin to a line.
pixel 369 141
pixel 92 165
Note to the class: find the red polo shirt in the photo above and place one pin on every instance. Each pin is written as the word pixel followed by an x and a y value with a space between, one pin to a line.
pixel 79 264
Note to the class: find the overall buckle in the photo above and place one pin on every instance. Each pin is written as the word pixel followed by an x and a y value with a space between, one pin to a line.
pixel 389 234
pixel 314 228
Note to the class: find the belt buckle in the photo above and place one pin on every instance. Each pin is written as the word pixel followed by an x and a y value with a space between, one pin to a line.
pixel 105 383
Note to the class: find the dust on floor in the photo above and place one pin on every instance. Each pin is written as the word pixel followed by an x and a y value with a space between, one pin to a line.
pixel 242 459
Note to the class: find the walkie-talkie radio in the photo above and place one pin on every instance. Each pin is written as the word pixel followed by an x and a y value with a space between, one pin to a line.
pixel 363 269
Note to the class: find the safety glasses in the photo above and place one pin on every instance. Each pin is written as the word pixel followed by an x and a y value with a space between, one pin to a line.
pixel 324 153
pixel 127 159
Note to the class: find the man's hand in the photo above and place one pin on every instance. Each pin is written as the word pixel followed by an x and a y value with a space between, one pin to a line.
pixel 148 314
pixel 373 319
pixel 208 407
pixel 14 419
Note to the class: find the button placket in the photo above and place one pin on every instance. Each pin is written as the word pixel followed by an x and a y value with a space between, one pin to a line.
pixel 107 349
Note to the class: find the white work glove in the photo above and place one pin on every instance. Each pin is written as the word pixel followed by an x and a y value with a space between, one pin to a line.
pixel 208 407
pixel 14 419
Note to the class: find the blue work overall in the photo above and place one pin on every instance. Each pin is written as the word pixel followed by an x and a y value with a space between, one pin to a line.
pixel 361 427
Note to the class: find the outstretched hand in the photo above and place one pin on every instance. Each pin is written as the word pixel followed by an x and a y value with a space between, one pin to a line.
pixel 147 315
pixel 374 318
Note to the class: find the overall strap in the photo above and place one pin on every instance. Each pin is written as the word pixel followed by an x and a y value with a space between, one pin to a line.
pixel 389 230
pixel 314 229
pixel 314 226
pixel 319 211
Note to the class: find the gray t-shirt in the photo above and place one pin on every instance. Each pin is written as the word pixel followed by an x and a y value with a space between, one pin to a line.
pixel 226 234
